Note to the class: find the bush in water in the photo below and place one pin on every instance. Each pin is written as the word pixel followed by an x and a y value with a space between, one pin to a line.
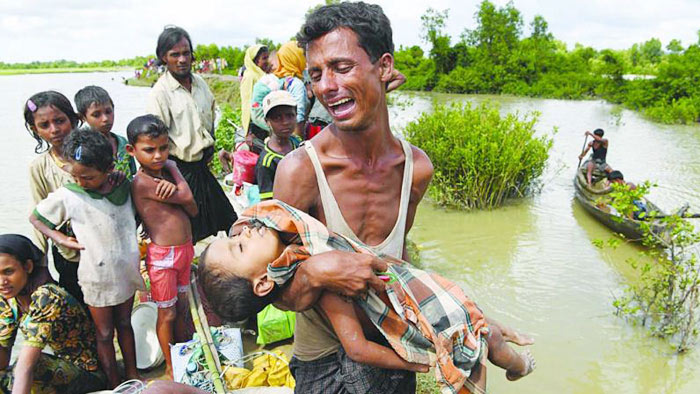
pixel 480 158
pixel 666 297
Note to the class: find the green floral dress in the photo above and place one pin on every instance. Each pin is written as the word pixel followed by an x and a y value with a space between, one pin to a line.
pixel 55 318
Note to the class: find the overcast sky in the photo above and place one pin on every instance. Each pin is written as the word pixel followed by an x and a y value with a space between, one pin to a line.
pixel 86 30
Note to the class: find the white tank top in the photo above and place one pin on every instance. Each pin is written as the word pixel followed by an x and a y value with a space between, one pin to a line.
pixel 393 244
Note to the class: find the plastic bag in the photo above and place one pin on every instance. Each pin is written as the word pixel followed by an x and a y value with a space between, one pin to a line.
pixel 274 325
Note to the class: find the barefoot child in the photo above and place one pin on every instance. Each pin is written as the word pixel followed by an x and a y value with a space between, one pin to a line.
pixel 96 108
pixel 280 112
pixel 49 118
pixel 102 218
pixel 426 319
pixel 165 204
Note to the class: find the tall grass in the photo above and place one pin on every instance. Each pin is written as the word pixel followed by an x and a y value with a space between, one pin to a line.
pixel 481 159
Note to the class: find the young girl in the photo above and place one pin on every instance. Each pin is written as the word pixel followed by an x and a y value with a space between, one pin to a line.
pixel 49 117
pixel 102 218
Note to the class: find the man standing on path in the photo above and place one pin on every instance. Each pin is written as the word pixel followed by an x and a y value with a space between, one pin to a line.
pixel 355 177
pixel 186 105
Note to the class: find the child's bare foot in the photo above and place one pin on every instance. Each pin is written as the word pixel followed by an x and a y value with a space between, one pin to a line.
pixel 169 372
pixel 530 365
pixel 518 338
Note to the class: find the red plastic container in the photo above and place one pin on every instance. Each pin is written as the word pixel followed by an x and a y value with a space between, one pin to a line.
pixel 244 166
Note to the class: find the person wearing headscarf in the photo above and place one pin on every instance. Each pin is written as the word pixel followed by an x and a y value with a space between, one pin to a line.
pixel 256 62
pixel 47 315
pixel 291 64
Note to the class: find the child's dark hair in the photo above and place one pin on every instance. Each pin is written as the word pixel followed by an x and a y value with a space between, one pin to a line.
pixel 231 296
pixel 368 21
pixel 598 132
pixel 263 50
pixel 170 36
pixel 149 125
pixel 615 175
pixel 89 149
pixel 91 95
pixel 43 99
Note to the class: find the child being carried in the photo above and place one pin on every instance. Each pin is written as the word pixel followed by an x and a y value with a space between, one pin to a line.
pixel 426 319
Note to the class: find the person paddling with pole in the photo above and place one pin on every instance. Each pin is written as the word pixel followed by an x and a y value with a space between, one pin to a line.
pixel 597 159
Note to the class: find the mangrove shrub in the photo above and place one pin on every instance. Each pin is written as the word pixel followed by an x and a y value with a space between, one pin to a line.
pixel 480 158
pixel 666 297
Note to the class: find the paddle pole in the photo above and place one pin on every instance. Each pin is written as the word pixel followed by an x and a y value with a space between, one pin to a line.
pixel 582 149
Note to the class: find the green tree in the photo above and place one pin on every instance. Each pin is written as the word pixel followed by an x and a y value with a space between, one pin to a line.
pixel 433 25
pixel 674 46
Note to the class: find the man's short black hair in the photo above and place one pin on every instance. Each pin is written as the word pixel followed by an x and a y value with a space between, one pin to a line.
pixel 598 132
pixel 615 175
pixel 368 21
pixel 89 148
pixel 230 296
pixel 170 36
pixel 149 125
pixel 91 95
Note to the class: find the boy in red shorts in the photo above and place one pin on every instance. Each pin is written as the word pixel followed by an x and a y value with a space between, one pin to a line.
pixel 165 204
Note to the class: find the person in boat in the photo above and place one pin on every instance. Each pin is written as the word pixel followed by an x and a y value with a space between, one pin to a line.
pixel 183 101
pixel 280 111
pixel 641 210
pixel 353 170
pixel 597 159
pixel 244 273
pixel 47 315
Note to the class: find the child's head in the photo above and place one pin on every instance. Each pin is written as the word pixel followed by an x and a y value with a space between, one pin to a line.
pixel 90 155
pixel 280 110
pixel 233 272
pixel 148 141
pixel 616 177
pixel 96 108
pixel 598 132
pixel 49 118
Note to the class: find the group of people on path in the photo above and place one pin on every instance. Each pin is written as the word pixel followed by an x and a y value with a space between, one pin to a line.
pixel 354 180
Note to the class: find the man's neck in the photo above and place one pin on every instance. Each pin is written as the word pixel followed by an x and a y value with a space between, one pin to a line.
pixel 368 144
pixel 185 81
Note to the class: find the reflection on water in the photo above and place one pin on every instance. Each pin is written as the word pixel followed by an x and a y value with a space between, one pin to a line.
pixel 530 264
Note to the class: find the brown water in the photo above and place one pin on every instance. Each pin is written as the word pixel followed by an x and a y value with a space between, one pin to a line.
pixel 530 264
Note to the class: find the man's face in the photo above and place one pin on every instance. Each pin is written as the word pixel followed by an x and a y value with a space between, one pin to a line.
pixel 346 82
pixel 178 59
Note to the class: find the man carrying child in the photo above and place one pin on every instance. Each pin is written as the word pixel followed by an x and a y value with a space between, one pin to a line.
pixel 357 179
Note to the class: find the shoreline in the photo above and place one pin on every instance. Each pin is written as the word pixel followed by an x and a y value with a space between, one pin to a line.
pixel 60 70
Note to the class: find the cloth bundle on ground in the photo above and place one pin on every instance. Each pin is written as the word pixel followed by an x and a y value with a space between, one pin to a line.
pixel 430 320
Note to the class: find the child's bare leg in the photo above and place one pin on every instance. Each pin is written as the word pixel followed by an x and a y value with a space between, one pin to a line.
pixel 164 329
pixel 516 364
pixel 125 336
pixel 182 328
pixel 589 173
pixel 510 335
pixel 104 332
pixel 225 160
